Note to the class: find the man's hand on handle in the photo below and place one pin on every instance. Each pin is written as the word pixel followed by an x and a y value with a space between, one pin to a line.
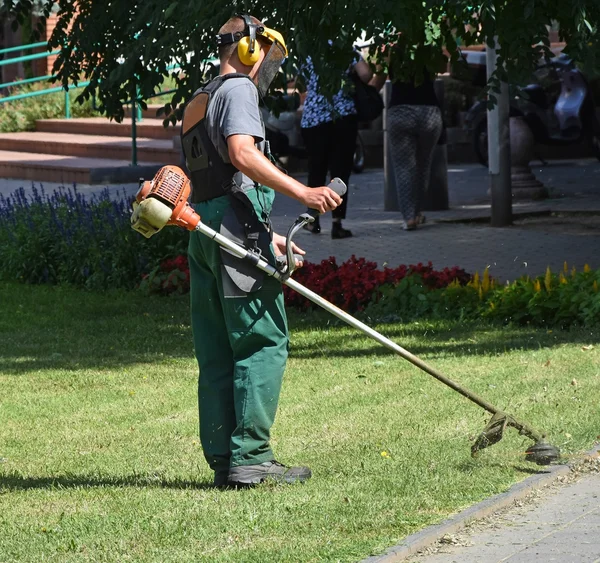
pixel 321 199
pixel 279 246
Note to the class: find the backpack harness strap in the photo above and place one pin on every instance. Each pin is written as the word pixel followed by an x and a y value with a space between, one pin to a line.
pixel 212 177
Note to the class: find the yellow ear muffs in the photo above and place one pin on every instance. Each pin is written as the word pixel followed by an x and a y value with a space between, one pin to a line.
pixel 247 57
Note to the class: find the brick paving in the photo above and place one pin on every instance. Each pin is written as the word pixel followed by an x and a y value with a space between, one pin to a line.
pixel 508 252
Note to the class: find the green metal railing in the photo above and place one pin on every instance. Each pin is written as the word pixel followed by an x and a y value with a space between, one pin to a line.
pixel 136 116
pixel 17 83
pixel 136 113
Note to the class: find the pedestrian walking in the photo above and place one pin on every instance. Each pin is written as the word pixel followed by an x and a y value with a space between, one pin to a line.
pixel 329 130
pixel 414 125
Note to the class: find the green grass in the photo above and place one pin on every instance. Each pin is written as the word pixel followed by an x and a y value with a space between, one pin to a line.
pixel 101 461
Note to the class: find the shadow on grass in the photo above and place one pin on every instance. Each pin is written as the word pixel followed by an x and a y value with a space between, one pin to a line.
pixel 46 328
pixel 438 340
pixel 466 467
pixel 16 482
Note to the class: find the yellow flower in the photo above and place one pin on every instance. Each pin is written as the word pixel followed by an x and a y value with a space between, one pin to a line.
pixel 476 280
pixel 586 268
pixel 562 279
pixel 384 454
pixel 480 292
pixel 565 267
pixel 537 286
pixel 573 272
pixel 485 284
pixel 548 280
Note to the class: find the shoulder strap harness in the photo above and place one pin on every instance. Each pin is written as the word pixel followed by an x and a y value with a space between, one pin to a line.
pixel 211 176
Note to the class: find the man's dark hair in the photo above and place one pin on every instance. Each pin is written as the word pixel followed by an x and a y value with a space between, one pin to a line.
pixel 233 25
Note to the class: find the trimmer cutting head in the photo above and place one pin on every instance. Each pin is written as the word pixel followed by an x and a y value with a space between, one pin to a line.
pixel 541 452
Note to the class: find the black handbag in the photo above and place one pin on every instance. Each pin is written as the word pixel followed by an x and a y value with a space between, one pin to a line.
pixel 368 102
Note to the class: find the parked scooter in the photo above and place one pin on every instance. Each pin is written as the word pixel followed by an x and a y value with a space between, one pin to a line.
pixel 559 109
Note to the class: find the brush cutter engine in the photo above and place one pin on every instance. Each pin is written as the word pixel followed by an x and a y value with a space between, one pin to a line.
pixel 164 201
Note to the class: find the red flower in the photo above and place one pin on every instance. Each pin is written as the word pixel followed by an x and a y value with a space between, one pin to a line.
pixel 351 285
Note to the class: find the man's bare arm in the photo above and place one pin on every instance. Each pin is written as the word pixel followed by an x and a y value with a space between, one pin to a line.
pixel 248 159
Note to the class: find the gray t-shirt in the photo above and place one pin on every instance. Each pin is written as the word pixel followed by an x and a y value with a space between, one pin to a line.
pixel 233 110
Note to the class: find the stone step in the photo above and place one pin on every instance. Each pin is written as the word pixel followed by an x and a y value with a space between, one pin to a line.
pixel 149 113
pixel 72 169
pixel 149 128
pixel 90 146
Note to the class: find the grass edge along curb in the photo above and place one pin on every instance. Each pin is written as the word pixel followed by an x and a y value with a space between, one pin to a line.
pixel 428 536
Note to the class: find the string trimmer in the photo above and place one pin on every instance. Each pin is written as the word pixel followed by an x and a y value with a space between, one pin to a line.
pixel 164 201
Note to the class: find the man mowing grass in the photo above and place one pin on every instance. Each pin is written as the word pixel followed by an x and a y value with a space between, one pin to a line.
pixel 238 318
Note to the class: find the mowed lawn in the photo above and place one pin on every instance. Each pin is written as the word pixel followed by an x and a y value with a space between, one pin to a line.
pixel 99 452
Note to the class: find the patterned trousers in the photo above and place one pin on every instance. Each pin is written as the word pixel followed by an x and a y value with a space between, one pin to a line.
pixel 413 132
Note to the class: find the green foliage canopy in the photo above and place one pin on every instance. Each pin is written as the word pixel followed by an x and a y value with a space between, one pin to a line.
pixel 127 48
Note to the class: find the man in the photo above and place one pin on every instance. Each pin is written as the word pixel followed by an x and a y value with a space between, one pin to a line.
pixel 238 318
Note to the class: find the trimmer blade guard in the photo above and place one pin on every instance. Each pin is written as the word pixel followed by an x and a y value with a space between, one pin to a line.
pixel 491 434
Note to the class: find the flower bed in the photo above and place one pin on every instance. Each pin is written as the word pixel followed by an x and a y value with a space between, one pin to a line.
pixel 419 291
pixel 87 242
pixel 565 299
pixel 353 284
pixel 65 238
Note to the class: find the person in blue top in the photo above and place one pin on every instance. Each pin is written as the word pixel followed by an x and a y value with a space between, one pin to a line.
pixel 329 130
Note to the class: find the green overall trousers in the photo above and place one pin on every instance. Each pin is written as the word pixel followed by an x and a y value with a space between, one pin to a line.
pixel 241 344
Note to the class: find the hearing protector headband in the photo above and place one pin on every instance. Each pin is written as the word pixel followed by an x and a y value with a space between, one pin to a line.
pixel 247 50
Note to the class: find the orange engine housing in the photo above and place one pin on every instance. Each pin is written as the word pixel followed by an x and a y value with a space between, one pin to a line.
pixel 172 186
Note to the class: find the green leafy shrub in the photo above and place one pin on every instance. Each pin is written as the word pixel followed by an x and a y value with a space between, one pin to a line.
pixel 66 238
pixel 21 115
pixel 562 300
pixel 550 300
pixel 411 298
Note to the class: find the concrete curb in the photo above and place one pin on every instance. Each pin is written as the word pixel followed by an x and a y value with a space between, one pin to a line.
pixel 426 537
pixel 122 174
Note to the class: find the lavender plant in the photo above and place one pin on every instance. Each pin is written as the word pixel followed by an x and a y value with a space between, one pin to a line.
pixel 65 237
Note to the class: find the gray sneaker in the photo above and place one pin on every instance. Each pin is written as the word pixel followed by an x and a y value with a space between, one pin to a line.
pixel 246 475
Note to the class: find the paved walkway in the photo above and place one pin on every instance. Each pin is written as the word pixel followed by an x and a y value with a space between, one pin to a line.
pixel 562 527
pixel 444 240
pixel 509 252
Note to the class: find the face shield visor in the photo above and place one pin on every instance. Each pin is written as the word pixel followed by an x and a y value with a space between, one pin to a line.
pixel 273 59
